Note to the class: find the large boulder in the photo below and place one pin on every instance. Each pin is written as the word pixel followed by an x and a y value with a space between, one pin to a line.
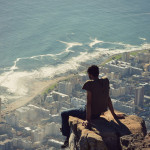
pixel 105 132
pixel 135 142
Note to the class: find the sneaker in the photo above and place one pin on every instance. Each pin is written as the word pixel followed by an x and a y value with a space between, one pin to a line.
pixel 66 143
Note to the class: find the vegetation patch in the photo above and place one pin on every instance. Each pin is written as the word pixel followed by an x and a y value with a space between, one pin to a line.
pixel 135 53
pixel 119 56
pixel 114 57
pixel 49 89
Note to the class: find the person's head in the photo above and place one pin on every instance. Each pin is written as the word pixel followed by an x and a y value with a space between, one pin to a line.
pixel 93 72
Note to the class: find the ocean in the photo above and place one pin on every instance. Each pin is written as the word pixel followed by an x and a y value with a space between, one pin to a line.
pixel 39 39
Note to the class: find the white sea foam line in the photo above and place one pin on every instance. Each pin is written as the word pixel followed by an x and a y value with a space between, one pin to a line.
pixel 141 38
pixel 70 45
pixel 94 42
pixel 14 80
pixel 14 67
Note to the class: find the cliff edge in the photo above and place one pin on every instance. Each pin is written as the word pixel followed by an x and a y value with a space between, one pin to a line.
pixel 106 133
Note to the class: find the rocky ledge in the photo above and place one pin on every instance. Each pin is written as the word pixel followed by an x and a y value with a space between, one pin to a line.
pixel 107 133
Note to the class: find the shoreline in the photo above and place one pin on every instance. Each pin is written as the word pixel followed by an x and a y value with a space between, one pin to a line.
pixel 39 87
pixel 24 100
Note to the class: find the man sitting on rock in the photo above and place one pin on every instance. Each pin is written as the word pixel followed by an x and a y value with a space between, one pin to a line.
pixel 98 100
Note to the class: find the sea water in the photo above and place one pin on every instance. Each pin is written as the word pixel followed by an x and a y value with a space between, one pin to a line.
pixel 39 39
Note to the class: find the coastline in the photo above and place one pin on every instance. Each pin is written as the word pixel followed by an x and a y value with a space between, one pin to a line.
pixel 39 87
pixel 24 100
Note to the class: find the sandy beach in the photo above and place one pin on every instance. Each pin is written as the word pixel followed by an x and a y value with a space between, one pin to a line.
pixel 37 88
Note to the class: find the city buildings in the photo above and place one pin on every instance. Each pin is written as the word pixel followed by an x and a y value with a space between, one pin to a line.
pixel 65 87
pixel 36 126
pixel 139 96
pixel 125 56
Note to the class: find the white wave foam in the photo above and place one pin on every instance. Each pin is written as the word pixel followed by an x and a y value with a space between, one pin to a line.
pixel 94 42
pixel 70 45
pixel 14 67
pixel 15 81
pixel 37 57
pixel 141 38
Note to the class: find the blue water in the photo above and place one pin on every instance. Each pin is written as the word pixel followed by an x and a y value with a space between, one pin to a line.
pixel 34 27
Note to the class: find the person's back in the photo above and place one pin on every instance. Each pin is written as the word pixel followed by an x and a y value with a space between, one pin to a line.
pixel 100 94
pixel 97 102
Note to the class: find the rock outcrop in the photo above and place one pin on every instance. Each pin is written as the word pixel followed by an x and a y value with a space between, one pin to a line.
pixel 106 133
pixel 135 142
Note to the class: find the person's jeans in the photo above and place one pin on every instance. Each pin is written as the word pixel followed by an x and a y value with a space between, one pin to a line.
pixel 75 112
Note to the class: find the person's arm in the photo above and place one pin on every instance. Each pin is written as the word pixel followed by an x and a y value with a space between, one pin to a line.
pixel 111 107
pixel 88 106
pixel 116 116
pixel 87 87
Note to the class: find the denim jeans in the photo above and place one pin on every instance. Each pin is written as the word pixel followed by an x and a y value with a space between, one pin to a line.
pixel 75 112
